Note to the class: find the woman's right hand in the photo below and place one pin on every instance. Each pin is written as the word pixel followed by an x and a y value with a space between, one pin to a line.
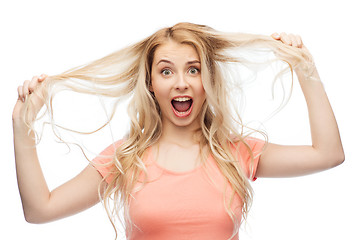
pixel 39 204
pixel 34 89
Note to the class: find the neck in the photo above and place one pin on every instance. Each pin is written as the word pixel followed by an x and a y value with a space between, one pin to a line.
pixel 182 136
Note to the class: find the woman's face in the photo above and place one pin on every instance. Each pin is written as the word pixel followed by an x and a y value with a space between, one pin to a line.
pixel 176 83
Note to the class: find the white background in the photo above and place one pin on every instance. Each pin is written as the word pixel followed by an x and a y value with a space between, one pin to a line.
pixel 53 36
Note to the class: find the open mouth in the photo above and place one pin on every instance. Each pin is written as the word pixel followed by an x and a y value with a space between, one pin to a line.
pixel 182 106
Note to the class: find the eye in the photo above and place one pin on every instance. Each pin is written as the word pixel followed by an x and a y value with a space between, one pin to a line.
pixel 194 70
pixel 166 72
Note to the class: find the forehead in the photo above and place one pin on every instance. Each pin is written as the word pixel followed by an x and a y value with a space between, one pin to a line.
pixel 175 51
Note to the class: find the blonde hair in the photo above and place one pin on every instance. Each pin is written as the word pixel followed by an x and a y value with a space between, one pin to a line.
pixel 127 73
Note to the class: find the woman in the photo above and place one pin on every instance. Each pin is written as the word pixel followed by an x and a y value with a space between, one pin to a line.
pixel 185 137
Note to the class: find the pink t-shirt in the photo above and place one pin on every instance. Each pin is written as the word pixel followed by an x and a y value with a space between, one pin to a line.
pixel 183 205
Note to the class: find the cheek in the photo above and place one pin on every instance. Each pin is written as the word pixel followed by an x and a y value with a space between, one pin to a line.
pixel 159 90
pixel 200 91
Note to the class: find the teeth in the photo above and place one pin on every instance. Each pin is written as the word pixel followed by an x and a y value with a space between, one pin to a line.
pixel 182 99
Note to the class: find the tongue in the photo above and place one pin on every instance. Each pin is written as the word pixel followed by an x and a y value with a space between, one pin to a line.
pixel 181 106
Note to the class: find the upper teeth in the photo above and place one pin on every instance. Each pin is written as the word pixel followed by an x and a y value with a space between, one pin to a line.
pixel 182 99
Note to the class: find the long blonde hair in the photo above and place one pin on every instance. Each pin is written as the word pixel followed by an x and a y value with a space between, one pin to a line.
pixel 127 73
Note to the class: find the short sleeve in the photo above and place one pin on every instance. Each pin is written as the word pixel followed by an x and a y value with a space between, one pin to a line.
pixel 103 163
pixel 243 155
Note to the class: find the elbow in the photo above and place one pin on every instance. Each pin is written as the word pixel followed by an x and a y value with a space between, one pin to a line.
pixel 330 157
pixel 35 220
pixel 30 219
pixel 340 156
pixel 336 159
pixel 340 159
pixel 35 217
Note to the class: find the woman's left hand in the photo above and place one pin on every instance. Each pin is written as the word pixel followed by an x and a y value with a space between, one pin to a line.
pixel 289 39
pixel 326 149
pixel 304 69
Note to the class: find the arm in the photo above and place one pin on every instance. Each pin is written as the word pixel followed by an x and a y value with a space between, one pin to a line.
pixel 326 150
pixel 39 204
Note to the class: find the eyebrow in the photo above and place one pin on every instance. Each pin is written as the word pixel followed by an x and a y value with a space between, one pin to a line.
pixel 168 61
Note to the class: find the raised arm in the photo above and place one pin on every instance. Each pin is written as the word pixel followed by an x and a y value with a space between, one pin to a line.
pixel 326 150
pixel 39 204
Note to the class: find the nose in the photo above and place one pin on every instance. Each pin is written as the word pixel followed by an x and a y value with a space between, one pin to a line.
pixel 181 83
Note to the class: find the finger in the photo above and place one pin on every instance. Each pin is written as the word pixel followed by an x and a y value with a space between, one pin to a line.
pixel 25 89
pixel 20 93
pixel 34 82
pixel 42 77
pixel 285 39
pixel 296 40
pixel 299 41
pixel 292 40
pixel 275 36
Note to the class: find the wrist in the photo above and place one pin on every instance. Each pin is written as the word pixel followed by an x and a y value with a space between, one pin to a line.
pixel 310 73
pixel 20 126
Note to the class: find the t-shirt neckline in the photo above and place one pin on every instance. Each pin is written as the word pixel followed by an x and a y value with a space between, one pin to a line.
pixel 172 172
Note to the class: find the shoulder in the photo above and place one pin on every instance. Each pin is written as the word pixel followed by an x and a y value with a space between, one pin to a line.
pixel 248 151
pixel 251 144
pixel 104 163
pixel 106 155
